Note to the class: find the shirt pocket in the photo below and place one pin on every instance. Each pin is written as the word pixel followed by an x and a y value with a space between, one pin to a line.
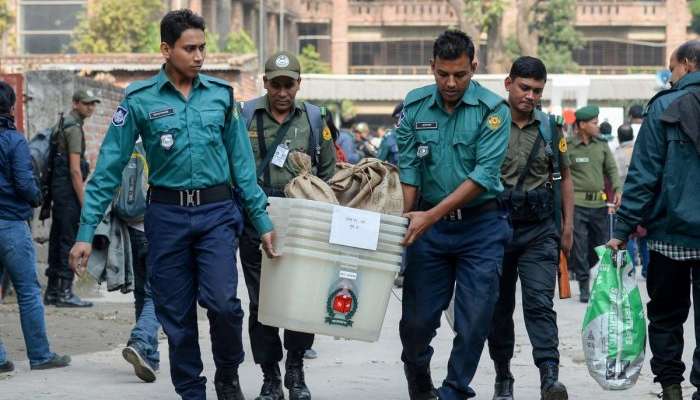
pixel 213 125
pixel 464 146
pixel 163 127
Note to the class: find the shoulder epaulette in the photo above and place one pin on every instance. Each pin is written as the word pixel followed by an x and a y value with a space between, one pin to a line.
pixel 419 94
pixel 491 99
pixel 218 81
pixel 139 85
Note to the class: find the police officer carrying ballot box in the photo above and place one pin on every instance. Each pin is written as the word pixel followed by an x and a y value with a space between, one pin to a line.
pixel 452 138
pixel 198 151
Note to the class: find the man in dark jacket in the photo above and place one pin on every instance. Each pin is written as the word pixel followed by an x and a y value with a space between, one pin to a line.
pixel 18 194
pixel 662 193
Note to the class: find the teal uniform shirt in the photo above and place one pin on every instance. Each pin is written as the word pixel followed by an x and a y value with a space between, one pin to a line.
pixel 439 151
pixel 191 143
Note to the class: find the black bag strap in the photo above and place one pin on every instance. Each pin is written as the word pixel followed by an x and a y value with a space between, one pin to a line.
pixel 530 160
pixel 554 165
pixel 264 166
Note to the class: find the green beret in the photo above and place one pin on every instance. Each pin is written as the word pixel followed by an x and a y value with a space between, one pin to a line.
pixel 587 113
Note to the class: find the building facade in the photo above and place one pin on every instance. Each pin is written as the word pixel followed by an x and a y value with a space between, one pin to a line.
pixel 383 36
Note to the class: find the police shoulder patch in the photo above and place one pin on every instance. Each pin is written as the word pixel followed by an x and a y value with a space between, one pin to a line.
pixel 327 134
pixel 119 116
pixel 494 121
pixel 562 145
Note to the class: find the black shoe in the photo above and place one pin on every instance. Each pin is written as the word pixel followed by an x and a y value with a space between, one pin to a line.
pixel 420 384
pixel 227 385
pixel 142 368
pixel 584 291
pixel 68 299
pixel 56 362
pixel 672 392
pixel 272 383
pixel 294 376
pixel 51 294
pixel 6 367
pixel 550 387
pixel 503 388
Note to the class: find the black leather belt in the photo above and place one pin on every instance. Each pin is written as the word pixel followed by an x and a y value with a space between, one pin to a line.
pixel 273 192
pixel 466 212
pixel 190 197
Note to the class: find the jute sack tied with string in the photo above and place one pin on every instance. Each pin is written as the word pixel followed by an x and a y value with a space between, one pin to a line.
pixel 371 184
pixel 306 185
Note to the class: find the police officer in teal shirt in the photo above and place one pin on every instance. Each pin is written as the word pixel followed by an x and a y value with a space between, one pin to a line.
pixel 201 163
pixel 452 139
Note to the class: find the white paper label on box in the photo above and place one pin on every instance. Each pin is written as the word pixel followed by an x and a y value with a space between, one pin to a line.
pixel 348 275
pixel 355 228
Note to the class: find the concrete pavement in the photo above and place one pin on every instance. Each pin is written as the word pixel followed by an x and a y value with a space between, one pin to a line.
pixel 344 369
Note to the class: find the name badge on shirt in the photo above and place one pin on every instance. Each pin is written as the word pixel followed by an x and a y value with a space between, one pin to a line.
pixel 582 159
pixel 161 113
pixel 167 141
pixel 280 155
pixel 424 126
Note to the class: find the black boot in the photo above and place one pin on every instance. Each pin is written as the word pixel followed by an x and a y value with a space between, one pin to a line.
pixel 51 294
pixel 672 392
pixel 66 297
pixel 503 389
pixel 550 387
pixel 227 385
pixel 420 384
pixel 584 290
pixel 294 376
pixel 272 383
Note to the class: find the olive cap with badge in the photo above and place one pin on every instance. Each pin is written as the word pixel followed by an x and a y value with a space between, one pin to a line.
pixel 282 63
pixel 85 96
pixel 587 113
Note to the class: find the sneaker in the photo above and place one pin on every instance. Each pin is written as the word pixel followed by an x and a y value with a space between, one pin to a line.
pixel 310 354
pixel 142 368
pixel 55 362
pixel 6 367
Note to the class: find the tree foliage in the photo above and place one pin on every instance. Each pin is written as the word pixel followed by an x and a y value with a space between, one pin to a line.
pixel 239 43
pixel 486 16
pixel 557 36
pixel 6 17
pixel 695 12
pixel 119 26
pixel 311 63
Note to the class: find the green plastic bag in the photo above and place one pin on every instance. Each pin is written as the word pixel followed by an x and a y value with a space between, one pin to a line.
pixel 614 328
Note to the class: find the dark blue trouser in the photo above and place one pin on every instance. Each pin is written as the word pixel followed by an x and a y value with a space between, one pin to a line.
pixel 192 257
pixel 463 257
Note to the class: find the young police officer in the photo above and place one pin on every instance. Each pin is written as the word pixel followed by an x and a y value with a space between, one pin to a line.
pixel 591 160
pixel 452 138
pixel 277 122
pixel 197 148
pixel 532 176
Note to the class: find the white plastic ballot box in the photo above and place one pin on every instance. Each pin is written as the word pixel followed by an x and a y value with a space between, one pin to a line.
pixel 336 269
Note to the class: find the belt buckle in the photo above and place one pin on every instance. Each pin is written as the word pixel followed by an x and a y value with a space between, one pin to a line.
pixel 556 176
pixel 459 214
pixel 190 198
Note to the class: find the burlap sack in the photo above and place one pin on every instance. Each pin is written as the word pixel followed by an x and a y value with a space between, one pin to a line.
pixel 306 185
pixel 370 185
